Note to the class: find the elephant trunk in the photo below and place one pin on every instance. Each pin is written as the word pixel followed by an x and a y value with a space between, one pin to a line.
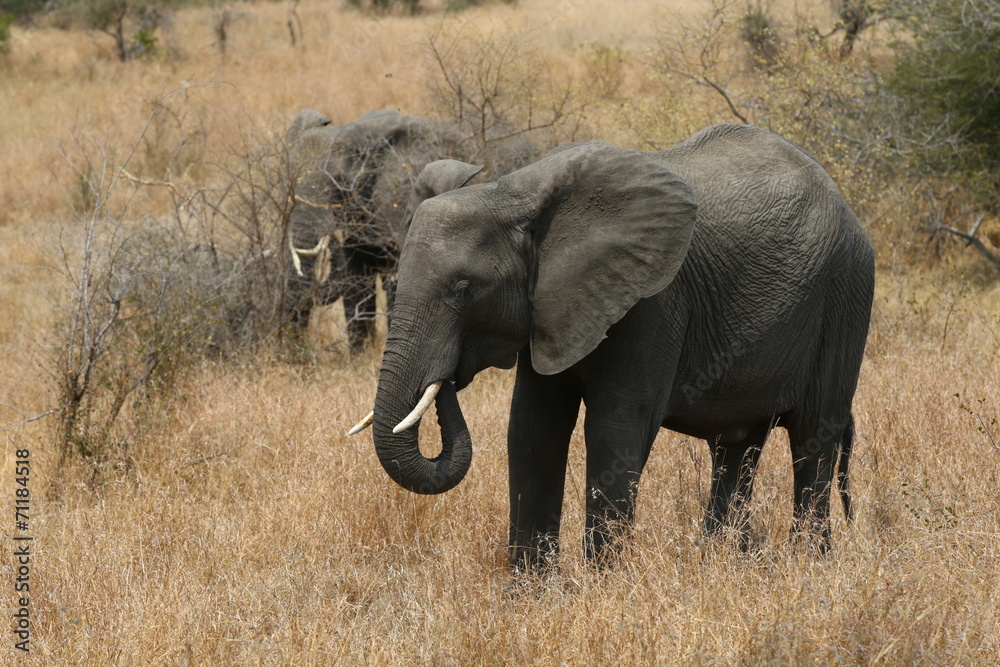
pixel 399 453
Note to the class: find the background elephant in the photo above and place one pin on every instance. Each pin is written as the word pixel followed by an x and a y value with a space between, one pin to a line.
pixel 352 184
pixel 719 288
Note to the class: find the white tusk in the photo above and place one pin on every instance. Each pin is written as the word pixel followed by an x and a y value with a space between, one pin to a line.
pixel 298 253
pixel 363 424
pixel 418 412
pixel 296 262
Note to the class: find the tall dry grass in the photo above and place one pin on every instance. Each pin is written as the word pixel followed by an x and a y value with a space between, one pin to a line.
pixel 238 525
pixel 245 527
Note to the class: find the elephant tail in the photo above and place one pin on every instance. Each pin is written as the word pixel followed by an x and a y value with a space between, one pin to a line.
pixel 843 471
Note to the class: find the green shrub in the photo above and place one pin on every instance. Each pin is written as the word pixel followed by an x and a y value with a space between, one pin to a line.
pixel 459 5
pixel 760 35
pixel 605 67
pixel 385 5
pixel 131 23
pixel 945 91
pixel 5 21
pixel 898 138
pixel 18 9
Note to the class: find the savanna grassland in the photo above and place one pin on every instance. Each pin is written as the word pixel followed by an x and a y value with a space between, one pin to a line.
pixel 234 523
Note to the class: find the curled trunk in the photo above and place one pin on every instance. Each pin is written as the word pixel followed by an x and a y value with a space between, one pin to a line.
pixel 399 452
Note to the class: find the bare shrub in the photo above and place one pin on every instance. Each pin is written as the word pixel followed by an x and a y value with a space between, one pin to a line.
pixel 242 220
pixel 147 297
pixel 605 69
pixel 128 313
pixel 806 92
pixel 234 206
pixel 495 87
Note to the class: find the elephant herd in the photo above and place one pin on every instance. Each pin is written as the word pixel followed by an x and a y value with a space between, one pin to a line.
pixel 719 289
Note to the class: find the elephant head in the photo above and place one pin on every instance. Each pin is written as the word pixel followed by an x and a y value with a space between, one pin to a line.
pixel 548 258
pixel 345 200
pixel 351 188
pixel 306 119
pixel 435 179
pixel 338 167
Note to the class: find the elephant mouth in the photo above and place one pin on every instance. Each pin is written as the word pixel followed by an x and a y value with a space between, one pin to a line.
pixel 462 380
pixel 427 398
pixel 430 393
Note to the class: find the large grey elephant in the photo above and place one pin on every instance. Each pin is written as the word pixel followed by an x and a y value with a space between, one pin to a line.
pixel 352 184
pixel 719 289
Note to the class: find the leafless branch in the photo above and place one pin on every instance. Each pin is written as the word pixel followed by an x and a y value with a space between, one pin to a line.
pixel 495 89
pixel 971 238
pixel 26 419
pixel 727 95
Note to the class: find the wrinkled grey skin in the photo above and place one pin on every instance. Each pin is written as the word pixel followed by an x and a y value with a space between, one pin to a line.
pixel 718 289
pixel 352 183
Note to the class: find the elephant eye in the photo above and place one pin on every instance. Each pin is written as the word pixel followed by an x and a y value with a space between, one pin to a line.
pixel 460 289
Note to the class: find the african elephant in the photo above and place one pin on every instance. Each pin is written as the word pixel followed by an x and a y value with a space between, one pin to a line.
pixel 351 186
pixel 719 289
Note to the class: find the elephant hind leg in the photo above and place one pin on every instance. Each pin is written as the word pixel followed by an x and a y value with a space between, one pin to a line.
pixel 734 466
pixel 388 281
pixel 843 466
pixel 815 448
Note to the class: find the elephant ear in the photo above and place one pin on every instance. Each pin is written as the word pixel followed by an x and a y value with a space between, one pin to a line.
pixel 609 227
pixel 434 179
pixel 305 120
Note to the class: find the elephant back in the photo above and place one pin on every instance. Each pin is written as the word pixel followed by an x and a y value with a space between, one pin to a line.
pixel 776 216
pixel 738 172
pixel 505 150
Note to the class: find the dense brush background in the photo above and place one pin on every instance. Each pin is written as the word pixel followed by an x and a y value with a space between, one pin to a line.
pixel 197 502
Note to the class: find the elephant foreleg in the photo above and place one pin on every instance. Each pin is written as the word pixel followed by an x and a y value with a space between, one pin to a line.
pixel 542 417
pixel 359 297
pixel 733 468
pixel 389 287
pixel 616 455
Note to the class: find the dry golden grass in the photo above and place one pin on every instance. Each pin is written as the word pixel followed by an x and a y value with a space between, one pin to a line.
pixel 245 527
pixel 240 526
